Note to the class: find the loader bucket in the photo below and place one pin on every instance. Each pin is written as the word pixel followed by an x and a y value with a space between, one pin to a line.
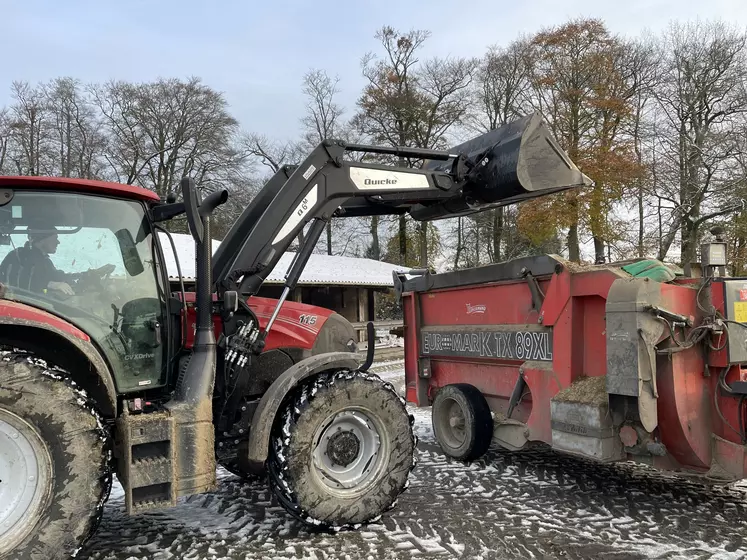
pixel 516 162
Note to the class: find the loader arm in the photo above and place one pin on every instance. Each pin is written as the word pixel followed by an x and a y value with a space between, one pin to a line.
pixel 518 161
pixel 317 190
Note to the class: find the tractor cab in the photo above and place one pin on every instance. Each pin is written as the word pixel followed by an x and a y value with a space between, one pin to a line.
pixel 92 261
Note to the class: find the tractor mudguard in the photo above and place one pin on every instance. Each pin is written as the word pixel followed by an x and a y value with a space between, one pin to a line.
pixel 53 338
pixel 264 417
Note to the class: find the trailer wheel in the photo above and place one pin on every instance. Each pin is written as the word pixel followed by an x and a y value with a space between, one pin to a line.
pixel 342 450
pixel 54 461
pixel 462 422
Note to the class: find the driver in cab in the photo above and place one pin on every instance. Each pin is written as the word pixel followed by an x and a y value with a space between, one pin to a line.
pixel 30 268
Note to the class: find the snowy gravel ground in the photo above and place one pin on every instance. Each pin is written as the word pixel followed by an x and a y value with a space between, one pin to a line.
pixel 533 504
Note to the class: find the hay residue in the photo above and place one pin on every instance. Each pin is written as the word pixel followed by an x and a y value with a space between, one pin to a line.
pixel 591 390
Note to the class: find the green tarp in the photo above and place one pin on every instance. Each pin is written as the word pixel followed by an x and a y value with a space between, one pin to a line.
pixel 651 268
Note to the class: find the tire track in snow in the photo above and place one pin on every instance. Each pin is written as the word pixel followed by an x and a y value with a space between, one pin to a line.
pixel 533 504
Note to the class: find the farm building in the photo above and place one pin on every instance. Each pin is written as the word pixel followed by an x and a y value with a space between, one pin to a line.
pixel 346 285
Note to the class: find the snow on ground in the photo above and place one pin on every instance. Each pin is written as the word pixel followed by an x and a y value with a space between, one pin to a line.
pixel 533 504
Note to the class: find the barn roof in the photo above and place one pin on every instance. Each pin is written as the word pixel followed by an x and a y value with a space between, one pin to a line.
pixel 320 270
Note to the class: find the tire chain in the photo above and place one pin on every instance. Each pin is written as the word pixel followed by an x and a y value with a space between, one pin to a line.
pixel 278 467
pixel 16 355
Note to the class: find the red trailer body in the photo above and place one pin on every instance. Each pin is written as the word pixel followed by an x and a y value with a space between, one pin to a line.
pixel 583 358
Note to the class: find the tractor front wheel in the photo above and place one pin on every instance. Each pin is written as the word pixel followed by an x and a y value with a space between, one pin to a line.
pixel 54 461
pixel 342 450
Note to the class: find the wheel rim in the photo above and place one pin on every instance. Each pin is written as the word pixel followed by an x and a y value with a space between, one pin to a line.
pixel 25 474
pixel 451 423
pixel 349 451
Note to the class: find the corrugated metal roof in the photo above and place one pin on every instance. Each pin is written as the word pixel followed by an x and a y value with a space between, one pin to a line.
pixel 320 270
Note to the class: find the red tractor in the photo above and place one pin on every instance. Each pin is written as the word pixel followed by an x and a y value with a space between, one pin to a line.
pixel 630 361
pixel 108 369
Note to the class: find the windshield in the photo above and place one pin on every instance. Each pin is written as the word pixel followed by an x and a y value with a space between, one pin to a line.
pixel 91 260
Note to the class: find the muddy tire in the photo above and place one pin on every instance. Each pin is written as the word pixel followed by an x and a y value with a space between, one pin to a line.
pixel 228 459
pixel 232 465
pixel 52 496
pixel 462 422
pixel 342 450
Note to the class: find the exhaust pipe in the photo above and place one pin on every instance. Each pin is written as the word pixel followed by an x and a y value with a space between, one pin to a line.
pixel 196 381
pixel 192 405
pixel 518 161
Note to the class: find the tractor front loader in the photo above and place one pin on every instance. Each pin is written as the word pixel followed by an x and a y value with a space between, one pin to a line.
pixel 107 370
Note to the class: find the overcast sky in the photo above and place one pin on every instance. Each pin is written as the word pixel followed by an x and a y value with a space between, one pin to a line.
pixel 257 52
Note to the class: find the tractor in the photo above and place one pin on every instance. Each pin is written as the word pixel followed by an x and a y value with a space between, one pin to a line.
pixel 109 369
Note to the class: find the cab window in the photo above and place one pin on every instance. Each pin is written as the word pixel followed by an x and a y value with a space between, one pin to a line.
pixel 91 260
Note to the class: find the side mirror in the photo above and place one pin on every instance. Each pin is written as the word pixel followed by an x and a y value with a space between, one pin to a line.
pixel 167 211
pixel 231 301
pixel 192 208
pixel 418 271
pixel 230 304
pixel 131 257
pixel 397 280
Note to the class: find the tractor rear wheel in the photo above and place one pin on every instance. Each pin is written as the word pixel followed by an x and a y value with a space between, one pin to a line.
pixel 342 450
pixel 54 461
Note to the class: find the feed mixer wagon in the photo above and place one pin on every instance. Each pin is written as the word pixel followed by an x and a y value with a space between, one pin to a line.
pixel 612 362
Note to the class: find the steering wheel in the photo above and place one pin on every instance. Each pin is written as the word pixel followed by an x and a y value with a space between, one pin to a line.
pixel 90 280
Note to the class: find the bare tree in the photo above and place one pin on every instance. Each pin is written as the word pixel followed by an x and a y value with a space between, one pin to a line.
pixel 408 103
pixel 75 130
pixel 5 138
pixel 386 112
pixel 28 129
pixel 126 152
pixel 270 153
pixel 499 95
pixel 323 116
pixel 641 69
pixel 702 101
pixel 502 88
pixel 168 129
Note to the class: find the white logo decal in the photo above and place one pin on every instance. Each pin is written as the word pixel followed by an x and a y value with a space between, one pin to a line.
pixel 129 357
pixel 472 309
pixel 380 182
pixel 309 172
pixel 383 179
pixel 307 319
pixel 303 208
